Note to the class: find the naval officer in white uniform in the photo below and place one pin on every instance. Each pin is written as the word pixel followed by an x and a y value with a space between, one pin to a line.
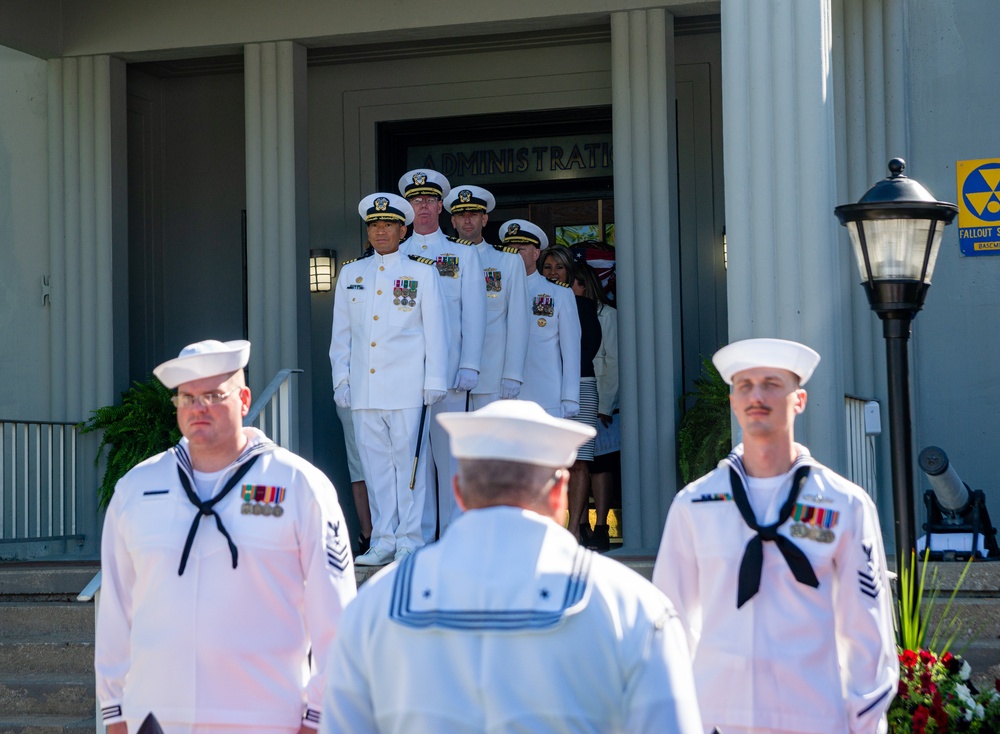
pixel 552 365
pixel 776 566
pixel 224 561
pixel 461 271
pixel 507 624
pixel 504 280
pixel 389 357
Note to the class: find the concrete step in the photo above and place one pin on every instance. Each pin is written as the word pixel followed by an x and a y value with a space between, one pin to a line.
pixel 44 581
pixel 42 657
pixel 45 725
pixel 62 620
pixel 48 695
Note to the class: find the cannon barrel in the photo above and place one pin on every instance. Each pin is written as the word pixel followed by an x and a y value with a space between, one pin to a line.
pixel 951 492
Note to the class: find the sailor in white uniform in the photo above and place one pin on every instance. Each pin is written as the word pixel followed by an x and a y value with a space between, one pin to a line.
pixel 504 279
pixel 460 270
pixel 389 357
pixel 507 624
pixel 224 561
pixel 552 364
pixel 777 568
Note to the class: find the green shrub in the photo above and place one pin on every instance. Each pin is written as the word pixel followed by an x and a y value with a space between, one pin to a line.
pixel 143 425
pixel 705 433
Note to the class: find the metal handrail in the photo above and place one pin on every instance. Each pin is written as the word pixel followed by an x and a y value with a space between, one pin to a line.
pixel 272 411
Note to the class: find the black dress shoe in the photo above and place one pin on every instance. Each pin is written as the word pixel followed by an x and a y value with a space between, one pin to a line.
pixel 585 534
pixel 599 539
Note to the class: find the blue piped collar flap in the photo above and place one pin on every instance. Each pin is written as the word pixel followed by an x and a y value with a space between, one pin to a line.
pixel 497 569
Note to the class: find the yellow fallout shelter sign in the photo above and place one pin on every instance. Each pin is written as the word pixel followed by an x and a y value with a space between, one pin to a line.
pixel 979 206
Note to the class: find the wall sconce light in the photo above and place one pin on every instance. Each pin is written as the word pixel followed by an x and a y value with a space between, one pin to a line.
pixel 322 269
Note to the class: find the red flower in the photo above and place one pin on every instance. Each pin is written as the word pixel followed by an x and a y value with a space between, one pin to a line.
pixel 908 658
pixel 928 657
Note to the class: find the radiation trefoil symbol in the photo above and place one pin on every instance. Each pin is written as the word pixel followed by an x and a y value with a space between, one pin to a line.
pixel 980 192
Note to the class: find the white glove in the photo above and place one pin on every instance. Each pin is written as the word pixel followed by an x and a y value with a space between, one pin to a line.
pixel 342 395
pixel 570 409
pixel 434 396
pixel 509 389
pixel 465 380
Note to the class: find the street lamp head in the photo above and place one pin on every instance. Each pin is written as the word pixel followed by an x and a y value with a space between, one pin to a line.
pixel 896 231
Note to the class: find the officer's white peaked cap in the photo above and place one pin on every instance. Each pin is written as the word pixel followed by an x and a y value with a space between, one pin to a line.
pixel 382 207
pixel 204 359
pixel 467 198
pixel 516 231
pixel 423 182
pixel 515 430
pixel 752 353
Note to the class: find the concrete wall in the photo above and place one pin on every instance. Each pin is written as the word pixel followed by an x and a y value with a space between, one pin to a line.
pixel 24 252
pixel 954 109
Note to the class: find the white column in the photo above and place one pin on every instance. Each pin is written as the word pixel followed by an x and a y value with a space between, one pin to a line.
pixel 786 262
pixel 642 67
pixel 82 225
pixel 277 224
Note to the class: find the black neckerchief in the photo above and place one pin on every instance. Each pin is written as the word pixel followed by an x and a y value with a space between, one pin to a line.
pixel 753 555
pixel 207 508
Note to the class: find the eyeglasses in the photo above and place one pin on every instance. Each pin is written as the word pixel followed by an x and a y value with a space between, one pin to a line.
pixel 185 400
pixel 424 201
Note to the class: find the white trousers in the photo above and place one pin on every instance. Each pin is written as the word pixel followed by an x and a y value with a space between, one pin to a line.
pixel 441 504
pixel 387 440
pixel 481 400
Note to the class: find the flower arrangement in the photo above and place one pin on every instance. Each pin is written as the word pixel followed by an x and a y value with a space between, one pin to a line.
pixel 935 694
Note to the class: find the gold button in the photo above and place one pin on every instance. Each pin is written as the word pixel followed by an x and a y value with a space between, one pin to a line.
pixel 379 292
pixel 372 370
pixel 376 317
pixel 381 267
pixel 373 344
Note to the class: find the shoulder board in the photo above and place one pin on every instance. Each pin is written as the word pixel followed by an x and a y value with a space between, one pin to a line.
pixel 368 253
pixel 456 239
pixel 504 248
pixel 559 282
pixel 424 260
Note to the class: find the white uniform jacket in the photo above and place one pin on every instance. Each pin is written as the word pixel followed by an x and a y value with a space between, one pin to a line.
pixel 460 270
pixel 552 367
pixel 508 625
pixel 506 342
pixel 221 645
pixel 390 334
pixel 793 658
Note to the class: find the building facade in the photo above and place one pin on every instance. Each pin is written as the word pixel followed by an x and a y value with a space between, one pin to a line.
pixel 166 168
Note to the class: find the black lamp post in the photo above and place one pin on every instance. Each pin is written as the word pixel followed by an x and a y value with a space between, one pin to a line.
pixel 896 231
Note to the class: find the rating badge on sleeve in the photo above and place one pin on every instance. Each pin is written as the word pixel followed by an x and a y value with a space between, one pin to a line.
pixel 260 499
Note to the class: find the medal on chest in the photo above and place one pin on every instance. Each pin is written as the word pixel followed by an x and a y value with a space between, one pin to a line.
pixel 493 284
pixel 260 499
pixel 542 306
pixel 814 523
pixel 404 293
pixel 447 265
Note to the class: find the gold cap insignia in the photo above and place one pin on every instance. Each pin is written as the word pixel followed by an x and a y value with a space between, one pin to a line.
pixel 419 178
pixel 381 204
